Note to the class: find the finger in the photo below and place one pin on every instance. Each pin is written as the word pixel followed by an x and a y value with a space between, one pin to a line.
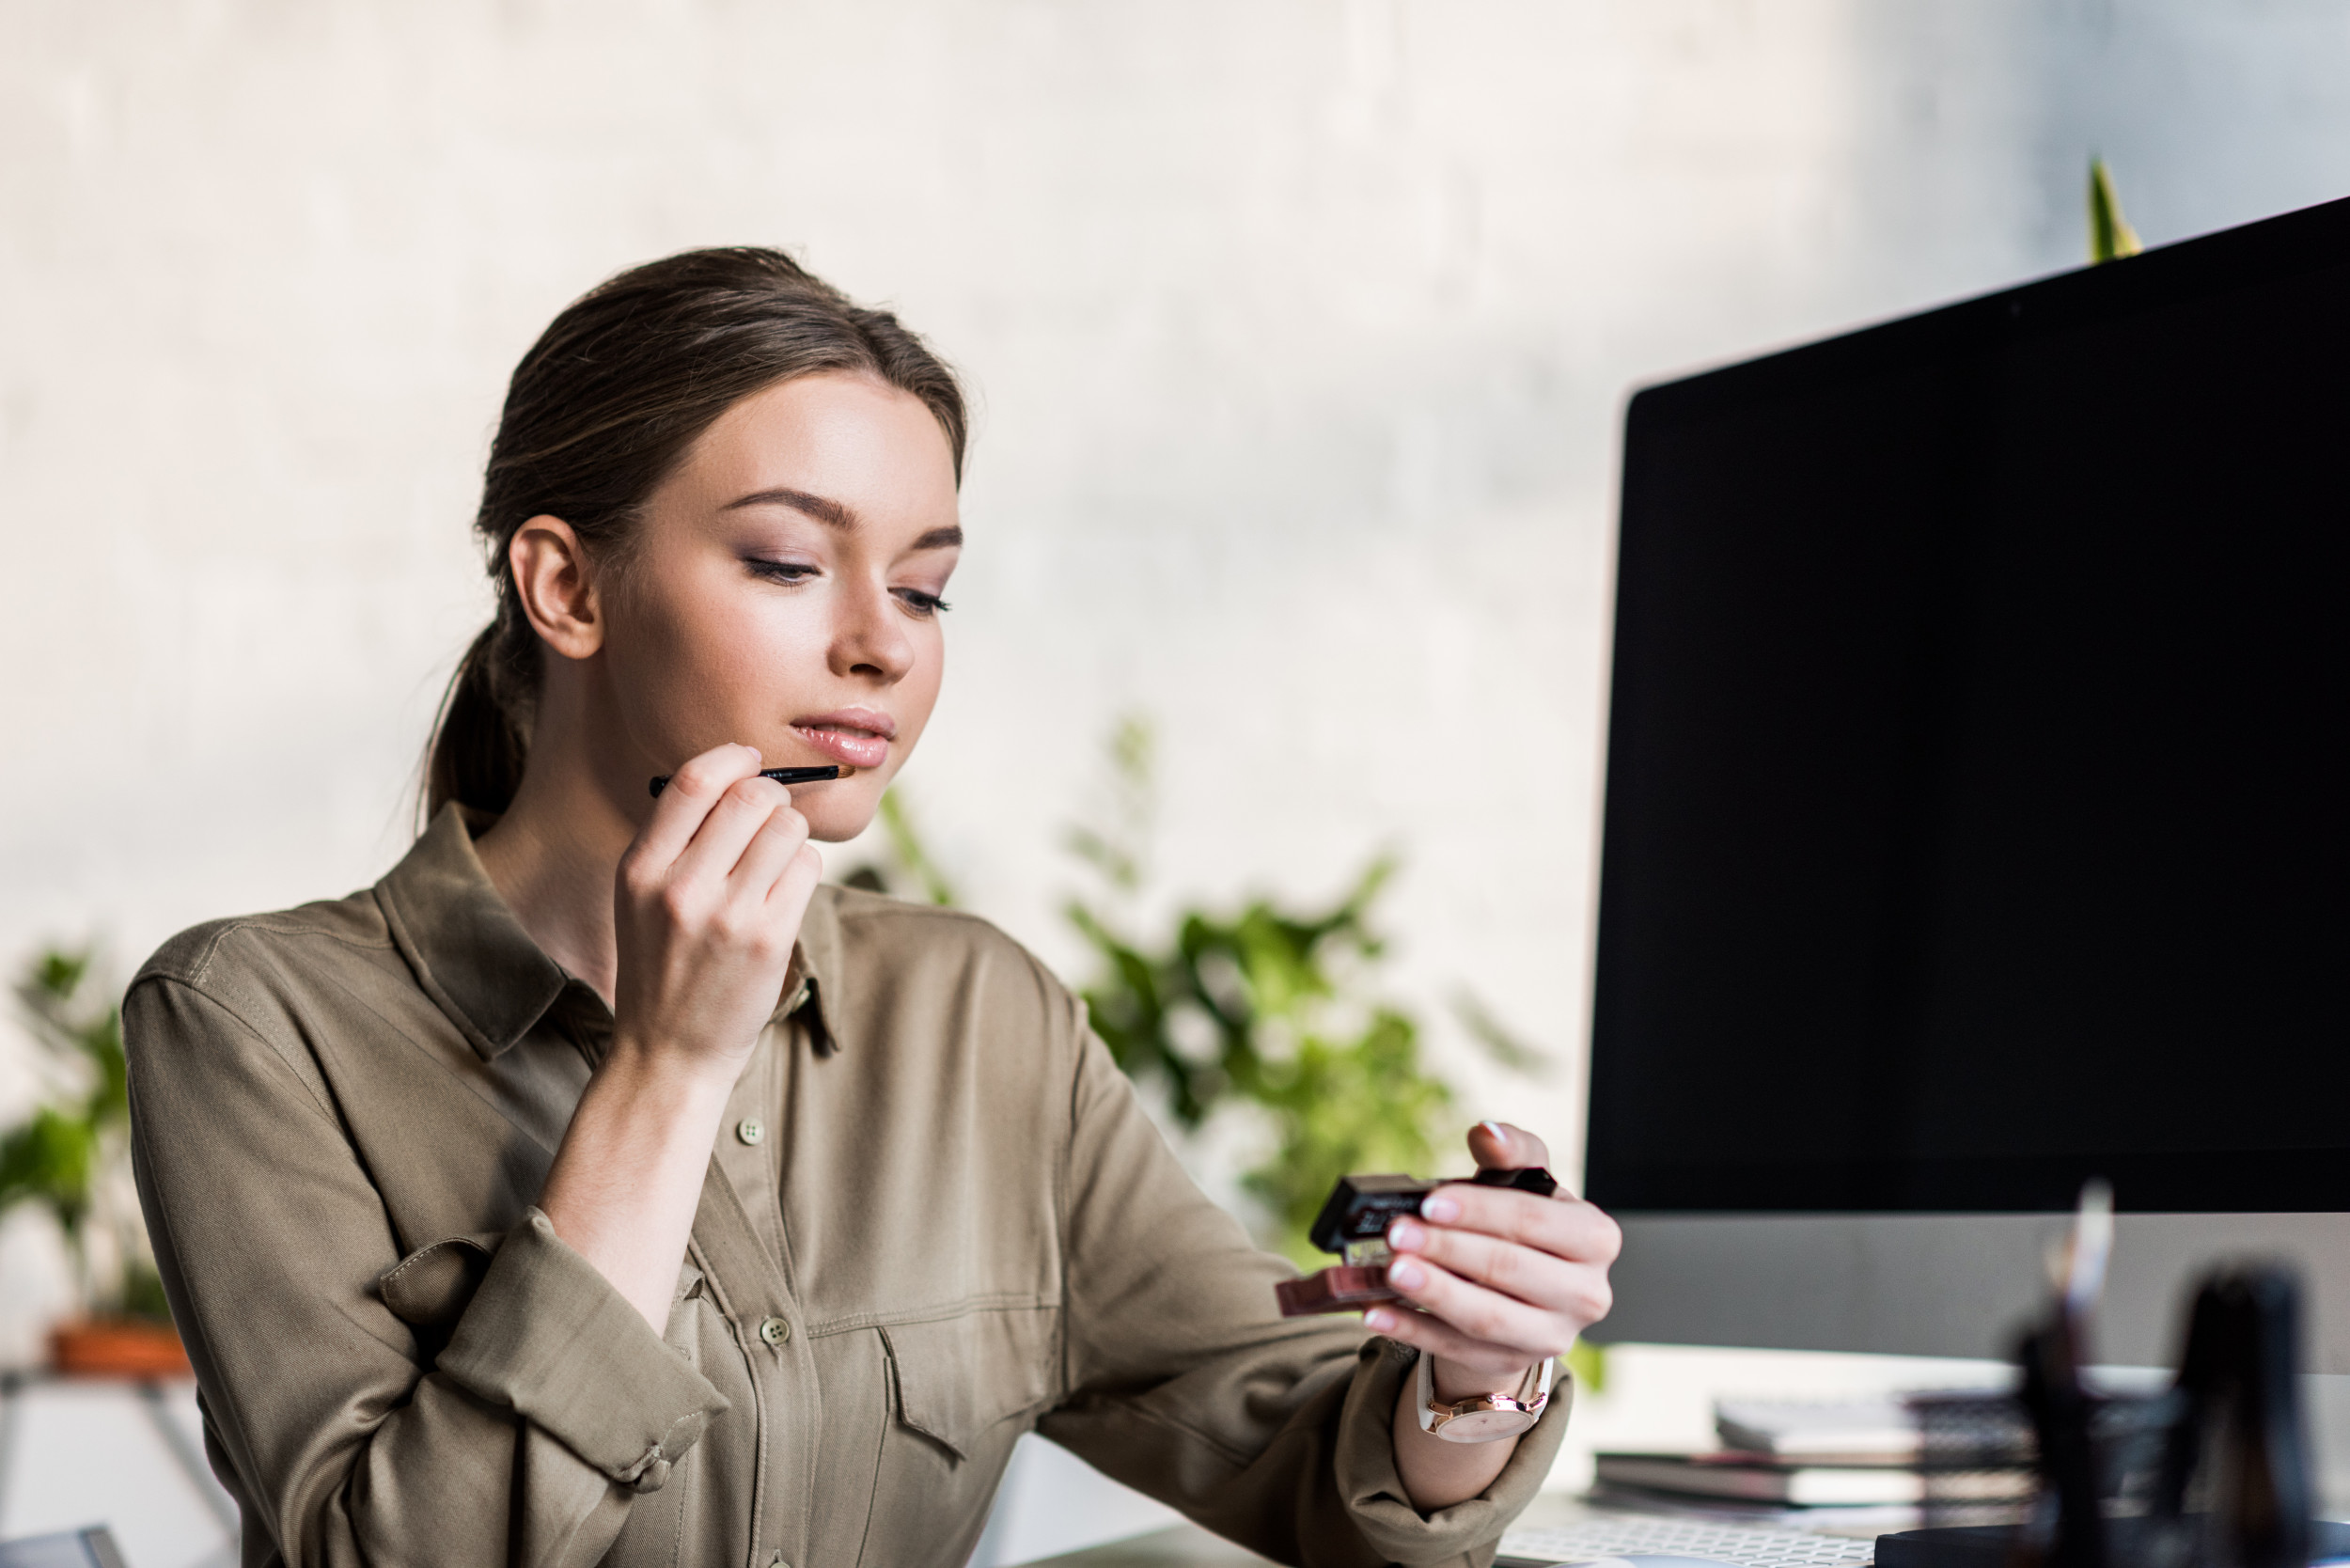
pixel 726 832
pixel 1478 1312
pixel 1578 1292
pixel 1499 1146
pixel 1433 1336
pixel 1563 1227
pixel 770 852
pixel 693 789
pixel 788 900
pixel 1529 1274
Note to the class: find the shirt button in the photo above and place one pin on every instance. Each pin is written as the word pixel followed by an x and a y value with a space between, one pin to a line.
pixel 775 1331
pixel 750 1129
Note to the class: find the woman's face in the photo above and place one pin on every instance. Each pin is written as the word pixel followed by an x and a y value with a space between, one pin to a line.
pixel 784 591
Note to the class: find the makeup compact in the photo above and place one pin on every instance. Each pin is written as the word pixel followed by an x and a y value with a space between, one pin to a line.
pixel 1353 1224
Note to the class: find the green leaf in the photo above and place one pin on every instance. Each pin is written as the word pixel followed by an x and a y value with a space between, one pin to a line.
pixel 1587 1363
pixel 906 844
pixel 2110 236
pixel 50 1159
pixel 1505 1047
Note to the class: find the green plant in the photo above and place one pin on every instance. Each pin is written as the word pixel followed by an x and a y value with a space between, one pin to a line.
pixel 1254 1007
pixel 1266 1007
pixel 63 1155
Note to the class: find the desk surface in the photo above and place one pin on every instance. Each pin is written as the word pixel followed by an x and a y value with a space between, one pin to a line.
pixel 1189 1547
pixel 1176 1546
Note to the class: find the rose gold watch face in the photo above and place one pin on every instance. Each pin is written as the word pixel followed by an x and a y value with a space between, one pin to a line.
pixel 1484 1426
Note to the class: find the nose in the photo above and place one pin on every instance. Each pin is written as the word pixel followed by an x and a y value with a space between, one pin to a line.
pixel 869 639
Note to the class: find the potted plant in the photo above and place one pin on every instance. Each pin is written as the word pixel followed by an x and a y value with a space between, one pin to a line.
pixel 70 1156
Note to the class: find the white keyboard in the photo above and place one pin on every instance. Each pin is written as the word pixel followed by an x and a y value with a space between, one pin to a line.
pixel 1748 1545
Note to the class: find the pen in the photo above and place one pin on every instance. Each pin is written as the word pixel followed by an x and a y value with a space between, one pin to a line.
pixel 781 776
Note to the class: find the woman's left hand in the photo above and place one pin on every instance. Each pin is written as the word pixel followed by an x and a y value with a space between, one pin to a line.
pixel 1503 1278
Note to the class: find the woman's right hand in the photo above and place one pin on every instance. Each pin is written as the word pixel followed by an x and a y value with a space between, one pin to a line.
pixel 705 908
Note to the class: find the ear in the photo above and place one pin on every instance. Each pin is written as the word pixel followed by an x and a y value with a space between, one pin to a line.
pixel 557 581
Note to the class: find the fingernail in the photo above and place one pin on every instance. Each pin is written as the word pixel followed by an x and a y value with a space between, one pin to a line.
pixel 1439 1209
pixel 1404 1236
pixel 1378 1320
pixel 1404 1275
pixel 1500 1135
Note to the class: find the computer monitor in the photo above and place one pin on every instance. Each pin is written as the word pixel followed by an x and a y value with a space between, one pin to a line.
pixel 1976 794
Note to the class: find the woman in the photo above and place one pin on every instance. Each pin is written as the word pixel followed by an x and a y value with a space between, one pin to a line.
pixel 600 1187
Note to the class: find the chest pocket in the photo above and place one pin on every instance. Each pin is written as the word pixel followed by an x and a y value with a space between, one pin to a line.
pixel 961 1379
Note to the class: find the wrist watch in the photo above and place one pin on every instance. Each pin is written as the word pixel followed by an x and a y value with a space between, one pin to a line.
pixel 1487 1417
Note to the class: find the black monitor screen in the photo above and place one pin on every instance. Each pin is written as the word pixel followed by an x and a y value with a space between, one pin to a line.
pixel 1976 777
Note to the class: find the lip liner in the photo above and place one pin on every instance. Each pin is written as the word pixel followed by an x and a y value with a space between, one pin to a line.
pixel 781 776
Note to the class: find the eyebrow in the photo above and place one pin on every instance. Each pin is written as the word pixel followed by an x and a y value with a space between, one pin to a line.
pixel 829 512
pixel 833 515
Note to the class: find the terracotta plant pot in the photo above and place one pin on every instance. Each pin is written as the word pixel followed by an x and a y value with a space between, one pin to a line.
pixel 116 1347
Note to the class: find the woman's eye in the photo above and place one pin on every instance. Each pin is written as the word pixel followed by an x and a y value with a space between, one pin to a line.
pixel 780 572
pixel 922 604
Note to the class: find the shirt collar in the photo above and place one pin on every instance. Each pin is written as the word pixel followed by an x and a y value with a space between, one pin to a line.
pixel 481 967
pixel 816 960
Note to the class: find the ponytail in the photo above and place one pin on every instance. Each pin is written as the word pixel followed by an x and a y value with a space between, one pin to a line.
pixel 478 742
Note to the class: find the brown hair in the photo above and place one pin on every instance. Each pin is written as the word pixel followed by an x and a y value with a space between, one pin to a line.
pixel 601 409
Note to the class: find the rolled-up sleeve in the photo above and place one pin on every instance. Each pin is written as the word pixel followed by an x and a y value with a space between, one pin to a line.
pixel 1373 1493
pixel 550 1407
pixel 1186 1383
pixel 548 1338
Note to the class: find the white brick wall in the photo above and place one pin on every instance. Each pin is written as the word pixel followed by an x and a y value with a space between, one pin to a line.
pixel 1300 329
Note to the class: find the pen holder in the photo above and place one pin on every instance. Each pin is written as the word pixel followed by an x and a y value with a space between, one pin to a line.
pixel 2213 1473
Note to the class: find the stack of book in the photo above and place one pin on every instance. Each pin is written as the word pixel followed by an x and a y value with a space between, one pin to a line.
pixel 1883 1462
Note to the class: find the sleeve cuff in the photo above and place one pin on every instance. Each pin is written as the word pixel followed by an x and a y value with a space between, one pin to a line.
pixel 547 1336
pixel 1374 1492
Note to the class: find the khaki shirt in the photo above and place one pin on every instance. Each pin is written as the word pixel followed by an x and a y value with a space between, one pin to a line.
pixel 935 1218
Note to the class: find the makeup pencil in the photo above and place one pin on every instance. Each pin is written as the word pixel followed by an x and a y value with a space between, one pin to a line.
pixel 781 776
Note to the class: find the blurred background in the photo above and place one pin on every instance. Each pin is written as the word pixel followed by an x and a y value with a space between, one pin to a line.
pixel 1299 332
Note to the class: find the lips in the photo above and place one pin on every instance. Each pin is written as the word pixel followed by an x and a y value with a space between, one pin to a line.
pixel 859 737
